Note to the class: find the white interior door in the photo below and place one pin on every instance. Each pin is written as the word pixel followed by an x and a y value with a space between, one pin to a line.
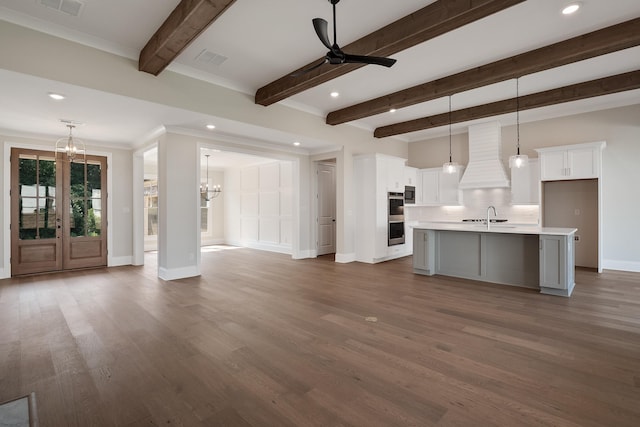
pixel 326 175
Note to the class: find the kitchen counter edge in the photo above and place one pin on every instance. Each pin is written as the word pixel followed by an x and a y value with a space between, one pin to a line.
pixel 496 228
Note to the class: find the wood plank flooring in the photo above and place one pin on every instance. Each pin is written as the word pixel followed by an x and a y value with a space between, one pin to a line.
pixel 263 340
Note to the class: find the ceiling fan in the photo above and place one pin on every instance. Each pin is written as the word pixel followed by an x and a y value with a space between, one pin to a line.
pixel 335 54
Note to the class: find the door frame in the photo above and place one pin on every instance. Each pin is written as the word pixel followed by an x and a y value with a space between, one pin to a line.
pixel 5 271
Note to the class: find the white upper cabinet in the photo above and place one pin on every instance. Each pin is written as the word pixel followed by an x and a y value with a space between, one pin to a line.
pixel 580 161
pixel 410 176
pixel 395 174
pixel 430 188
pixel 438 188
pixel 525 184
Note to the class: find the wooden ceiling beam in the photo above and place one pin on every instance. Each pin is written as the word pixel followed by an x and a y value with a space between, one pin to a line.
pixel 600 42
pixel 184 24
pixel 429 22
pixel 599 87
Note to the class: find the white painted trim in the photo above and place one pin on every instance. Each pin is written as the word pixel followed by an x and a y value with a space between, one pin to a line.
pixel 6 226
pixel 306 254
pixel 4 274
pixel 345 258
pixel 138 208
pixel 614 264
pixel 178 273
pixel 121 260
pixel 262 246
pixel 209 242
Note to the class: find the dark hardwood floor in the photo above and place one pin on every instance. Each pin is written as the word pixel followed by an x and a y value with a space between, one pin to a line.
pixel 263 340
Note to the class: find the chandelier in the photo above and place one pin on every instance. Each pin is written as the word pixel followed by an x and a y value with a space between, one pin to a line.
pixel 205 192
pixel 74 149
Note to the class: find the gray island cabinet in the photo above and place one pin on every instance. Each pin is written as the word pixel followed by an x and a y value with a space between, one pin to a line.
pixel 528 256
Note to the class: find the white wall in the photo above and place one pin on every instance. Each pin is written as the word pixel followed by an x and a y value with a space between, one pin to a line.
pixel 619 127
pixel 260 206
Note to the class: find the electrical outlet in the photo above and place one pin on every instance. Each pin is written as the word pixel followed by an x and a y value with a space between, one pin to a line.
pixel 576 238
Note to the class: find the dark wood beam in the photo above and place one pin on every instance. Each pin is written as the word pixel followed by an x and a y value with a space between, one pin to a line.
pixel 607 40
pixel 184 24
pixel 429 22
pixel 604 86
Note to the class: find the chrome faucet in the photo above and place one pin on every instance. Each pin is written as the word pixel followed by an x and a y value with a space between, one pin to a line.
pixel 494 214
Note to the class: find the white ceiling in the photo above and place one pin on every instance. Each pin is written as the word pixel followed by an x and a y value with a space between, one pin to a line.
pixel 264 40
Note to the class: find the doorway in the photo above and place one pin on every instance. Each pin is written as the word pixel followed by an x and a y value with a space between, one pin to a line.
pixel 574 204
pixel 326 217
pixel 58 212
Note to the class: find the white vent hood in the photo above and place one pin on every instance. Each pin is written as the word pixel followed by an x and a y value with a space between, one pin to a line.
pixel 485 168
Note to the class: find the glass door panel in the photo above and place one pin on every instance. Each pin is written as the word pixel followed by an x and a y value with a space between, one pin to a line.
pixel 35 241
pixel 85 244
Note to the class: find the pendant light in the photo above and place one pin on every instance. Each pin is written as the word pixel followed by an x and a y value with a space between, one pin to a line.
pixel 72 148
pixel 450 166
pixel 518 160
pixel 207 194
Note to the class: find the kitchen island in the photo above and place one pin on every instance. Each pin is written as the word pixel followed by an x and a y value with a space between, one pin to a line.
pixel 535 257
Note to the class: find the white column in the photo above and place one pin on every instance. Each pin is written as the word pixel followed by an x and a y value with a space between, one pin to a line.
pixel 178 207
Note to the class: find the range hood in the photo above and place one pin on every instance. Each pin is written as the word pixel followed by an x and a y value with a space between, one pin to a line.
pixel 485 168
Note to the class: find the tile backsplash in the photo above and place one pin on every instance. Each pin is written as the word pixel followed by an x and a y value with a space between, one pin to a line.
pixel 475 203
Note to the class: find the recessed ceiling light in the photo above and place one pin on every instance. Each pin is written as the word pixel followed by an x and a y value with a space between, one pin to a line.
pixel 335 94
pixel 393 110
pixel 571 8
pixel 211 127
pixel 297 143
pixel 56 96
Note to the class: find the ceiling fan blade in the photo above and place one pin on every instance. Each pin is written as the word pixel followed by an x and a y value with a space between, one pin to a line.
pixel 305 71
pixel 320 25
pixel 375 60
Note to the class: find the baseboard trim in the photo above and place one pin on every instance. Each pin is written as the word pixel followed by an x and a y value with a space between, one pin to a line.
pixel 611 264
pixel 117 261
pixel 5 273
pixel 178 273
pixel 345 258
pixel 212 242
pixel 271 247
pixel 305 254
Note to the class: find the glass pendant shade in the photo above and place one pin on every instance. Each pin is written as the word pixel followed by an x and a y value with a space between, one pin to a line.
pixel 518 161
pixel 450 167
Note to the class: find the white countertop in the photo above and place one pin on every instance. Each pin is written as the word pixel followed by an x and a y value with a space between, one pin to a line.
pixel 495 228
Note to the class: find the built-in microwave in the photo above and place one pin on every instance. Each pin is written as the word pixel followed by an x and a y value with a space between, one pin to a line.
pixel 409 194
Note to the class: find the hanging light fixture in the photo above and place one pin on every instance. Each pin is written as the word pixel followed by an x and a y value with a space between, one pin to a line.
pixel 73 148
pixel 450 166
pixel 518 160
pixel 204 188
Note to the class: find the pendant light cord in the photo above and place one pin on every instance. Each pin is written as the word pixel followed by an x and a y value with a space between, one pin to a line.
pixel 518 112
pixel 450 129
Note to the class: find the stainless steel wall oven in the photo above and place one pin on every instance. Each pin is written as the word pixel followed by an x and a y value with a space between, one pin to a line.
pixel 395 222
